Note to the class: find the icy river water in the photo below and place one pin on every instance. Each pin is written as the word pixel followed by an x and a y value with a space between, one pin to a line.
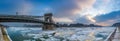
pixel 59 34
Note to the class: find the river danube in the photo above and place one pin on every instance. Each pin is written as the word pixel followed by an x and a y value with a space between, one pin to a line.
pixel 59 34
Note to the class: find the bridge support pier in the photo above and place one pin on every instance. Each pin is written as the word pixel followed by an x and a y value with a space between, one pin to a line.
pixel 48 18
pixel 48 27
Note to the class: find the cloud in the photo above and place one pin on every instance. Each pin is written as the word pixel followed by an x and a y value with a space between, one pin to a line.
pixel 112 15
pixel 13 6
pixel 88 9
pixel 71 8
pixel 106 23
pixel 68 8
pixel 90 18
pixel 83 11
pixel 109 18
pixel 24 8
pixel 101 8
pixel 65 20
pixel 82 20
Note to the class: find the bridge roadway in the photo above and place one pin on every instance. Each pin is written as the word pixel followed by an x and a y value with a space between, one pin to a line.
pixel 23 18
pixel 20 17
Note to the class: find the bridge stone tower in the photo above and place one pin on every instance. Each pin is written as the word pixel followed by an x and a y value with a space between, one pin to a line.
pixel 48 18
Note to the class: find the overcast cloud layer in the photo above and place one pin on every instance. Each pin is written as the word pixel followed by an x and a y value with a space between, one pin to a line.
pixel 67 11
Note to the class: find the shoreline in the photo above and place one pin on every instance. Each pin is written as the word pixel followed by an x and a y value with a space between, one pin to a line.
pixel 5 34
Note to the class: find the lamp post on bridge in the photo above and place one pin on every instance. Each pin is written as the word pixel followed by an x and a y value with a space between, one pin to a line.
pixel 17 13
pixel 48 18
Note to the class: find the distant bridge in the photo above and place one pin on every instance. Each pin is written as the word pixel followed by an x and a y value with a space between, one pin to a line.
pixel 46 21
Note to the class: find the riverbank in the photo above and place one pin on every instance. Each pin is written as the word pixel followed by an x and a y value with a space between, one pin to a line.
pixel 4 34
pixel 1 35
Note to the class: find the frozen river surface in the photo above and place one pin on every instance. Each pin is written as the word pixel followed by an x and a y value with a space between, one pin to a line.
pixel 60 34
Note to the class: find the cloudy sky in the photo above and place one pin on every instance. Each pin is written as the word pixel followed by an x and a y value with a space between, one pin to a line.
pixel 101 12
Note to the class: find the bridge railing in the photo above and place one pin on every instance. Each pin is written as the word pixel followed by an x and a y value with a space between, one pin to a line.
pixel 21 16
pixel 111 36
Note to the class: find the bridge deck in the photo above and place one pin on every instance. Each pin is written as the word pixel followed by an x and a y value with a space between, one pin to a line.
pixel 117 35
pixel 1 35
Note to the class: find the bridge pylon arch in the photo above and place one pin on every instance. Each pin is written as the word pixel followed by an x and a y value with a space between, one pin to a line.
pixel 48 18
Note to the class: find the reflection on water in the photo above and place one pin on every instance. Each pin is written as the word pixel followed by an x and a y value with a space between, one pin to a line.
pixel 60 34
pixel 22 33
